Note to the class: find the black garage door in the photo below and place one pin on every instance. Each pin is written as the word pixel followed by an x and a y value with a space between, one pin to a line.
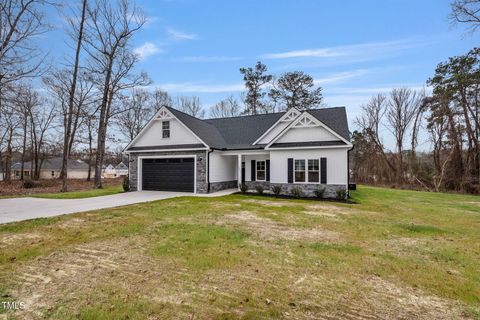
pixel 172 174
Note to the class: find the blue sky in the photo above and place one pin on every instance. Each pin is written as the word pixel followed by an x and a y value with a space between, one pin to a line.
pixel 353 49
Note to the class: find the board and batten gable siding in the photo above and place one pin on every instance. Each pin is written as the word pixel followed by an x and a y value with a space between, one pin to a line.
pixel 273 133
pixel 336 163
pixel 222 168
pixel 152 136
pixel 307 134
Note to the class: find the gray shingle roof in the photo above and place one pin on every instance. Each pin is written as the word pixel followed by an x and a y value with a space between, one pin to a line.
pixel 241 132
pixel 334 118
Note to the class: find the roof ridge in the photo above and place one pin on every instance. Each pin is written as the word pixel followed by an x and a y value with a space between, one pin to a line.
pixel 265 114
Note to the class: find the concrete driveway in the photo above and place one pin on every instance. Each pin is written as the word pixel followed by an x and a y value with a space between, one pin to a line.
pixel 18 209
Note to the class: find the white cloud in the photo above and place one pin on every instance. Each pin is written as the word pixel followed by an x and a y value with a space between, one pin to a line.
pixel 340 76
pixel 146 50
pixel 201 88
pixel 179 35
pixel 236 87
pixel 207 59
pixel 362 51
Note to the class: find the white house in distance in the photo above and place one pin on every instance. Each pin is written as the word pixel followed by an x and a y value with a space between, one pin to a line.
pixel 305 149
pixel 112 171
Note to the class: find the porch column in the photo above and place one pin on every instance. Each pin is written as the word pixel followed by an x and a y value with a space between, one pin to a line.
pixel 239 170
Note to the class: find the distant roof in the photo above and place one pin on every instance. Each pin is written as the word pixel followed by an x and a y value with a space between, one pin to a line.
pixel 235 133
pixel 55 164
pixel 121 166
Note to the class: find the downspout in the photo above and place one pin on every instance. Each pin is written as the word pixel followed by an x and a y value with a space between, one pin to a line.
pixel 208 169
pixel 348 169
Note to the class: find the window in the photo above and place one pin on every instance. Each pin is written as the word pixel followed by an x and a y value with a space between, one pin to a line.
pixel 299 170
pixel 26 173
pixel 17 173
pixel 260 170
pixel 165 129
pixel 313 170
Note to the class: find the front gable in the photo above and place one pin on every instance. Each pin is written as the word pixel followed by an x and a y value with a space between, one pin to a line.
pixel 151 134
pixel 306 128
pixel 278 126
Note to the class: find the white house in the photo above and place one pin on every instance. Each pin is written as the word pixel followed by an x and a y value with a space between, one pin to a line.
pixel 112 171
pixel 305 149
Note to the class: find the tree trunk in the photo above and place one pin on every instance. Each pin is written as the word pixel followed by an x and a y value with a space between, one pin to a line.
pixel 68 129
pixel 102 123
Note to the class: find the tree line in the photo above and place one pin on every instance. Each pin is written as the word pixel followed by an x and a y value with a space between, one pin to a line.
pixel 448 119
pixel 76 106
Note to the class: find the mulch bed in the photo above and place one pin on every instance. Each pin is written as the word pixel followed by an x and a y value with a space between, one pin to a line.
pixel 283 196
pixel 15 188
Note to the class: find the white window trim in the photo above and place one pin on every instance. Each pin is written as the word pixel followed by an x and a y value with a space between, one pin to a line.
pixel 264 170
pixel 169 130
pixel 306 171
pixel 140 161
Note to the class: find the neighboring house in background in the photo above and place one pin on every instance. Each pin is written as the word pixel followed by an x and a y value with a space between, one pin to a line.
pixel 109 171
pixel 1 172
pixel 121 170
pixel 77 169
pixel 112 171
pixel 305 149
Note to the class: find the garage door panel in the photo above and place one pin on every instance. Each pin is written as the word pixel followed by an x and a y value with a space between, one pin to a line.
pixel 168 174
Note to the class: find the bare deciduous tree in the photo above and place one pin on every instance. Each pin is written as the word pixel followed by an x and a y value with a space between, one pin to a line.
pixel 77 27
pixel 190 105
pixel 138 108
pixel 402 107
pixel 466 12
pixel 109 30
pixel 228 107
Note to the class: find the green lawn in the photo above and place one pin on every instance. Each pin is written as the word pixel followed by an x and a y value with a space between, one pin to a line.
pixel 105 191
pixel 394 254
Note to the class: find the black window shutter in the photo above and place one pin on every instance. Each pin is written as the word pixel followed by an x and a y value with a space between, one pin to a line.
pixel 323 170
pixel 267 168
pixel 253 168
pixel 290 170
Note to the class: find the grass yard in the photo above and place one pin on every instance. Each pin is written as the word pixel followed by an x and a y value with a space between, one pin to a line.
pixel 105 191
pixel 396 254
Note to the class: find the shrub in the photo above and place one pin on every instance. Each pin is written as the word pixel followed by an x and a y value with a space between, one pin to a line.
pixel 28 184
pixel 341 194
pixel 276 190
pixel 243 188
pixel 297 192
pixel 126 185
pixel 319 192
pixel 259 189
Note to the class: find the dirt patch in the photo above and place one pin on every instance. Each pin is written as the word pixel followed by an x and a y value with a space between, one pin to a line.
pixel 16 238
pixel 48 281
pixel 406 302
pixel 272 203
pixel 72 223
pixel 270 230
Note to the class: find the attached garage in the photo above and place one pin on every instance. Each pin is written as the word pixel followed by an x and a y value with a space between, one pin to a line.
pixel 168 174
